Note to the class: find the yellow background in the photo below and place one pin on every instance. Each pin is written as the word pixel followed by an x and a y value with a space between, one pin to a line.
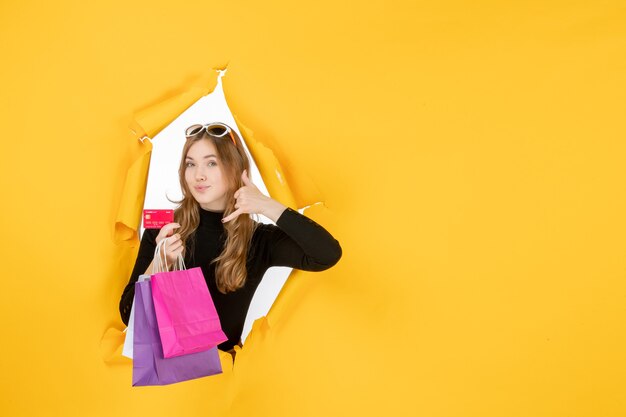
pixel 471 161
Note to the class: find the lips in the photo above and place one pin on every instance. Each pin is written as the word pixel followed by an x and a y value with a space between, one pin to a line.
pixel 201 189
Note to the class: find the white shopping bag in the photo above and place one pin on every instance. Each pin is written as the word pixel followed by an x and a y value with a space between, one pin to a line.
pixel 128 342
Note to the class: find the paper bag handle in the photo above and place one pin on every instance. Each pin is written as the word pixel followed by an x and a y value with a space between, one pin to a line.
pixel 160 263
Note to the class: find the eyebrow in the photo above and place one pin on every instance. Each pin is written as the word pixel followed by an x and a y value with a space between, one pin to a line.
pixel 205 156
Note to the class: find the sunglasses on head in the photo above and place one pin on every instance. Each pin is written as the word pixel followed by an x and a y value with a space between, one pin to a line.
pixel 215 129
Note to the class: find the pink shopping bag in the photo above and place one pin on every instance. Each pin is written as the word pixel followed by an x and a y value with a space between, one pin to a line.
pixel 186 315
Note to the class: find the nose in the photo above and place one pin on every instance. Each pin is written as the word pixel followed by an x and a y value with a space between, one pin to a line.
pixel 200 173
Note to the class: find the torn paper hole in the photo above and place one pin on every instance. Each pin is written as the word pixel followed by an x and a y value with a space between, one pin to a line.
pixel 163 181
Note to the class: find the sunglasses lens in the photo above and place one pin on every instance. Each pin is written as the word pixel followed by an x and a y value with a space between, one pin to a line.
pixel 192 130
pixel 218 131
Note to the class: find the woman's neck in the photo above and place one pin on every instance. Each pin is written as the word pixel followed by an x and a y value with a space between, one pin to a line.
pixel 211 218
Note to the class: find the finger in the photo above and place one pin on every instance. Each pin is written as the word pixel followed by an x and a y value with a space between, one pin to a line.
pixel 171 241
pixel 168 229
pixel 232 215
pixel 174 246
pixel 171 226
pixel 174 259
pixel 236 195
pixel 173 252
pixel 173 249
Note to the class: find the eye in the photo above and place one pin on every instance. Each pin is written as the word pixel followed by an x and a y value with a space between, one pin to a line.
pixel 188 164
pixel 212 163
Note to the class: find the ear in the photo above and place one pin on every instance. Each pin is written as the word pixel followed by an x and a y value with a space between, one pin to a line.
pixel 245 179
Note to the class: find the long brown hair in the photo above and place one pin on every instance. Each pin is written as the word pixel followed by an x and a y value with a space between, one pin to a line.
pixel 230 269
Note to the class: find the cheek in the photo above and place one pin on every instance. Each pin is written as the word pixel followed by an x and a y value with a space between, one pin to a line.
pixel 220 179
pixel 188 176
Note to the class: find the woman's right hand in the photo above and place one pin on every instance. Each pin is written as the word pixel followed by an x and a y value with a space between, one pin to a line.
pixel 174 245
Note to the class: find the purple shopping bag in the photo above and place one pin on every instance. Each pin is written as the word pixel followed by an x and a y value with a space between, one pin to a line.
pixel 185 313
pixel 149 365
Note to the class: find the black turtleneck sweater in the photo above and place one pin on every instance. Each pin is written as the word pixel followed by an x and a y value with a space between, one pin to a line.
pixel 295 241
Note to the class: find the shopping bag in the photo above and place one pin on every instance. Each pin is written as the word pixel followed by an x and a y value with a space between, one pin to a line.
pixel 149 365
pixel 158 265
pixel 186 316
pixel 128 341
pixel 185 313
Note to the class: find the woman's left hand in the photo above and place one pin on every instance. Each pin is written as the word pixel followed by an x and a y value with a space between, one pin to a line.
pixel 251 200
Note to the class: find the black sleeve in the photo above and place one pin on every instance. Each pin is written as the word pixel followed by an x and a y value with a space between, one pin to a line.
pixel 298 242
pixel 144 257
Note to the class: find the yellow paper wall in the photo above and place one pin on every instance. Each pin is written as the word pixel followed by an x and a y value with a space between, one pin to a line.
pixel 469 155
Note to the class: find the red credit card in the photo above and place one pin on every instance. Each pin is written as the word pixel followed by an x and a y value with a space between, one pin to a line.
pixel 155 219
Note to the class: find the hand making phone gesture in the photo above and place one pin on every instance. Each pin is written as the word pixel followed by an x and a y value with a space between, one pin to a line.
pixel 251 200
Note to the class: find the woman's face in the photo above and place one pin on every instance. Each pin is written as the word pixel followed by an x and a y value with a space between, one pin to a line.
pixel 204 176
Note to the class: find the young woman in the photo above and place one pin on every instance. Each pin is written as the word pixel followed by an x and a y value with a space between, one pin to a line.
pixel 216 232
